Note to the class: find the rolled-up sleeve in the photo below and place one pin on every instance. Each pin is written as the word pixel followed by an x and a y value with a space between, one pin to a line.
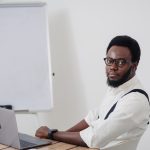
pixel 129 113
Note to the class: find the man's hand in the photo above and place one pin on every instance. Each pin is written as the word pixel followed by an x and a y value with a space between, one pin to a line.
pixel 42 132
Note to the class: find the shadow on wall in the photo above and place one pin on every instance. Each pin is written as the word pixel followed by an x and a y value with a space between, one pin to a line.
pixel 68 90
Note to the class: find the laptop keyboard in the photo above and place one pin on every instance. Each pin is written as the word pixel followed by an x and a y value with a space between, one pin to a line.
pixel 26 144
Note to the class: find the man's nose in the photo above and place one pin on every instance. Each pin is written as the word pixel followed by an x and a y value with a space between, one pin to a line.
pixel 114 66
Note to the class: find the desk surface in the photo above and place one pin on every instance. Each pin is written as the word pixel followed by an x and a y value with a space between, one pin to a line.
pixel 54 146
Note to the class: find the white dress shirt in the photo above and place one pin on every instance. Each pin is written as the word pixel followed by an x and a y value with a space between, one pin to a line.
pixel 124 127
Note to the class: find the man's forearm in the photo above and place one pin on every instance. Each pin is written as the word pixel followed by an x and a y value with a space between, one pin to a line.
pixel 69 137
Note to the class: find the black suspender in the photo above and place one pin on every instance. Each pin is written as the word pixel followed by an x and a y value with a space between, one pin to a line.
pixel 140 91
pixel 134 90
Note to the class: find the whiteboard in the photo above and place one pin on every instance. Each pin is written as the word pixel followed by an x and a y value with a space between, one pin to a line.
pixel 25 70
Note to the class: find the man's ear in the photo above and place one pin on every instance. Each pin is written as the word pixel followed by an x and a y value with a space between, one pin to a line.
pixel 134 66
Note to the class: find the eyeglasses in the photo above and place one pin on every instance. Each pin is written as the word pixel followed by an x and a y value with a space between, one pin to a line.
pixel 119 62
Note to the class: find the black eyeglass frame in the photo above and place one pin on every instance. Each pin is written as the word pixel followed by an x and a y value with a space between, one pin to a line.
pixel 120 62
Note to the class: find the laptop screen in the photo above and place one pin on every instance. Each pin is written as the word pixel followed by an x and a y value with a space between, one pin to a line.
pixel 9 133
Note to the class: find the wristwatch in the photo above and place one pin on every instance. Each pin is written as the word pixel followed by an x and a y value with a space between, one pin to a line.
pixel 50 133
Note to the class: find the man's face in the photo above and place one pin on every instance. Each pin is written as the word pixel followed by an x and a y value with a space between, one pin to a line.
pixel 120 67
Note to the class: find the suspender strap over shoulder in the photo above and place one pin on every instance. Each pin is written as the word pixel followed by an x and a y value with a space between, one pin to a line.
pixel 134 90
pixel 140 91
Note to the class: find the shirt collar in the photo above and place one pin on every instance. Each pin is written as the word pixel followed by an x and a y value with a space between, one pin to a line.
pixel 124 87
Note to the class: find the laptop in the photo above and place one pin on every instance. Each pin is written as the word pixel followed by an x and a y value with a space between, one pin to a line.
pixel 9 133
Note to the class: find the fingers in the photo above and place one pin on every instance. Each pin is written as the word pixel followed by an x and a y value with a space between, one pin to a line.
pixel 42 132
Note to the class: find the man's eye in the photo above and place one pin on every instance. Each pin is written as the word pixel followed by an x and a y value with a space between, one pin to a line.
pixel 121 62
pixel 109 61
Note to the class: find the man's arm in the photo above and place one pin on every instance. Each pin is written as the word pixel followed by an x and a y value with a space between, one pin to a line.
pixel 71 136
pixel 79 126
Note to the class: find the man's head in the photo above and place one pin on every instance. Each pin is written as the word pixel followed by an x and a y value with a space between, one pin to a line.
pixel 122 57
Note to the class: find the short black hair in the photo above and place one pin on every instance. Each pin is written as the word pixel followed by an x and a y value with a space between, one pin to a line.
pixel 127 41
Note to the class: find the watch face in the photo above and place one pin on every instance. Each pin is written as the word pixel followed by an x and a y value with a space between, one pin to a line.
pixel 50 133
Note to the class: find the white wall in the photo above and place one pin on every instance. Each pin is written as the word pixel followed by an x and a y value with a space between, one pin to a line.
pixel 80 31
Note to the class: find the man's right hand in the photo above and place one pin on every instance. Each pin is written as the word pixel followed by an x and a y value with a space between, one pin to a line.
pixel 42 132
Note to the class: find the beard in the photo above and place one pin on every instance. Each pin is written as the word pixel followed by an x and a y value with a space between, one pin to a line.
pixel 119 82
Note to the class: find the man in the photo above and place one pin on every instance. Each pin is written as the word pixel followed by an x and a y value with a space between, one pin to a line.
pixel 121 120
